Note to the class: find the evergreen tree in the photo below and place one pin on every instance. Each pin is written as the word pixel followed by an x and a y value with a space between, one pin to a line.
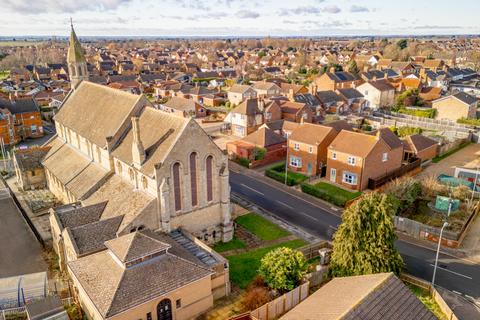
pixel 365 241
pixel 353 68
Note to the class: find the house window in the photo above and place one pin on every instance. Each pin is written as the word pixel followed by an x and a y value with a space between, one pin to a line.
pixel 350 178
pixel 149 316
pixel 310 149
pixel 295 162
pixel 193 177
pixel 351 160
pixel 209 170
pixel 296 146
pixel 385 157
pixel 33 128
pixel 268 115
pixel 334 155
pixel 178 303
pixel 176 187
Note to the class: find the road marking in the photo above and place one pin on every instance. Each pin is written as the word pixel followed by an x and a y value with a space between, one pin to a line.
pixel 307 216
pixel 251 189
pixel 284 204
pixel 456 273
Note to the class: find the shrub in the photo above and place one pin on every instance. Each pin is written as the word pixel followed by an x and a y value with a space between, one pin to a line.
pixel 255 298
pixel 283 268
pixel 243 162
pixel 431 187
pixel 260 153
pixel 422 113
pixel 406 191
pixel 406 131
pixel 277 172
pixel 461 192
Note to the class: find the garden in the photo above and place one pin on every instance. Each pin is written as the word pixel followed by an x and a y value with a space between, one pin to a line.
pixel 330 193
pixel 277 172
pixel 417 200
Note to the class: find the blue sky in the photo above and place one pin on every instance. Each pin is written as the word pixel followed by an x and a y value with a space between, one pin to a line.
pixel 239 17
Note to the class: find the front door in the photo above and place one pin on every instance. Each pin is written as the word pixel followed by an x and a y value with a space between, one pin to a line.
pixel 333 175
pixel 164 310
pixel 309 169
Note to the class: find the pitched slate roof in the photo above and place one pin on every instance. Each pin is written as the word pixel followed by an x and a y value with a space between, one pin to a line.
pixel 375 296
pixel 71 216
pixel 91 104
pixel 46 308
pixel 90 238
pixel 114 288
pixel 390 138
pixel 247 107
pixel 354 143
pixel 382 85
pixel 465 97
pixel 350 93
pixel 328 96
pixel 181 104
pixel 418 142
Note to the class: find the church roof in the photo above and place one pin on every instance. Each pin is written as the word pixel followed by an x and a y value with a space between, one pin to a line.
pixel 75 51
pixel 96 112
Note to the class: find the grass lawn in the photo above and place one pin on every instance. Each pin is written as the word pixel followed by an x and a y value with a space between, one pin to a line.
pixel 277 172
pixel 261 227
pixel 330 193
pixel 230 245
pixel 243 267
pixel 428 301
pixel 449 153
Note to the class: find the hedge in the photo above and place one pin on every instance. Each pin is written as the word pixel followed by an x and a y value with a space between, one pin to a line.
pixel 335 198
pixel 423 113
pixel 471 122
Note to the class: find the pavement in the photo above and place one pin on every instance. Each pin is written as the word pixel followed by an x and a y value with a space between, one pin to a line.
pixel 20 252
pixel 457 274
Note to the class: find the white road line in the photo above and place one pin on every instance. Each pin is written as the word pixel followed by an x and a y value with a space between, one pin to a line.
pixel 307 216
pixel 456 273
pixel 250 188
pixel 284 204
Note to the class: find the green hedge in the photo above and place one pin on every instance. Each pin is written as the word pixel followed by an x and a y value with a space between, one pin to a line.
pixel 243 162
pixel 471 122
pixel 330 193
pixel 423 113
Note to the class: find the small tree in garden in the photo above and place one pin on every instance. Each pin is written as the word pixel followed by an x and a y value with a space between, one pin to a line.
pixel 365 241
pixel 283 268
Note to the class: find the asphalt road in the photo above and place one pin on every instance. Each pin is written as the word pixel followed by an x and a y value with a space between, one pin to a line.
pixel 458 275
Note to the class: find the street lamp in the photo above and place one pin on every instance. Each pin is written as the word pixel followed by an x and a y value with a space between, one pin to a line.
pixel 438 251
pixel 286 163
pixel 475 184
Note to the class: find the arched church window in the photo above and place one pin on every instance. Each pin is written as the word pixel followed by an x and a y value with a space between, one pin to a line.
pixel 193 178
pixel 209 171
pixel 176 186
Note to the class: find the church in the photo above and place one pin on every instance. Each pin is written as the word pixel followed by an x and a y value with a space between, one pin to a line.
pixel 157 170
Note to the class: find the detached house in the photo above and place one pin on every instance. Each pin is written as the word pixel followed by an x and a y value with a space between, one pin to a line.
pixel 240 92
pixel 267 89
pixel 246 117
pixel 307 148
pixel 456 106
pixel 336 80
pixel 353 158
pixel 378 93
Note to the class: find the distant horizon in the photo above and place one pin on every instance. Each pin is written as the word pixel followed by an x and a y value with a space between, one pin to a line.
pixel 239 18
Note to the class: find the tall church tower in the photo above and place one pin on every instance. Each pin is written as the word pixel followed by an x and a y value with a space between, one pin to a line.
pixel 77 65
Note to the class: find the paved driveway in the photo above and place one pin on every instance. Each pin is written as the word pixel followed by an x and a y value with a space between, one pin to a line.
pixel 466 157
pixel 20 252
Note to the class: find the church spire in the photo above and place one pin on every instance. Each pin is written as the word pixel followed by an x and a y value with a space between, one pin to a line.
pixel 77 64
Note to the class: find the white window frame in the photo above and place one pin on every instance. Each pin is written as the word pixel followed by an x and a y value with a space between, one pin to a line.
pixel 334 155
pixel 296 146
pixel 349 178
pixel 310 149
pixel 352 160
pixel 295 162
pixel 385 157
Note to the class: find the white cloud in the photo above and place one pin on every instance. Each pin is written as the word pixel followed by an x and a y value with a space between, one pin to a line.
pixel 332 9
pixel 247 14
pixel 356 8
pixel 62 6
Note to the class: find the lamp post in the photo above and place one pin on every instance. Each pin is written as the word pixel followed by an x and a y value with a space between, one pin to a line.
pixel 286 164
pixel 438 251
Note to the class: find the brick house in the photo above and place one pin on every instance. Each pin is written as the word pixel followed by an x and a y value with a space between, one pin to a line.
pixel 27 121
pixel 378 93
pixel 456 106
pixel 251 114
pixel 307 148
pixel 184 107
pixel 28 167
pixel 296 111
pixel 353 158
pixel 418 146
pixel 336 80
pixel 240 92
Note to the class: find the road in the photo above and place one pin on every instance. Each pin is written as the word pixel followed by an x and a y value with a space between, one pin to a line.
pixel 458 275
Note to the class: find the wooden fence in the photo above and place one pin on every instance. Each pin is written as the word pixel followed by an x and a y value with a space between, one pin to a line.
pixel 310 251
pixel 281 305
pixel 433 293
pixel 374 183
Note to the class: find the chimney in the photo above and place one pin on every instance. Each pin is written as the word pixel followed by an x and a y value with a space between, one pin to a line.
pixel 138 152
pixel 290 95
pixel 313 88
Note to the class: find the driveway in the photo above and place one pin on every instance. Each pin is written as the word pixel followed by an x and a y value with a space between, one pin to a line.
pixel 466 157
pixel 20 252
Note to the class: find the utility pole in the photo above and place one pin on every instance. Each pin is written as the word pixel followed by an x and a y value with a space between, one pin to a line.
pixel 474 184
